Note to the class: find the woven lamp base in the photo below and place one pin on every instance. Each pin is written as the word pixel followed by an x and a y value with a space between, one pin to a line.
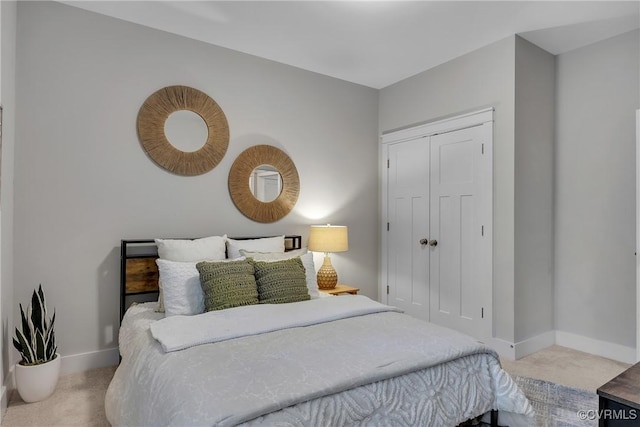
pixel 327 276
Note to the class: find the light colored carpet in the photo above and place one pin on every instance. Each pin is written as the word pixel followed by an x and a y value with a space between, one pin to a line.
pixel 77 401
pixel 79 398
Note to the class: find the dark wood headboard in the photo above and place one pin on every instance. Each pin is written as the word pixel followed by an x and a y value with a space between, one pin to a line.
pixel 139 272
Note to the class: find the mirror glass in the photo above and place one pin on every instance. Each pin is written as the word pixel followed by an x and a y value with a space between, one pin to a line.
pixel 265 183
pixel 186 130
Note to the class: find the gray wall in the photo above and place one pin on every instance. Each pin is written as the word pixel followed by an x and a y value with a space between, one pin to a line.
pixel 82 181
pixel 566 206
pixel 8 12
pixel 7 99
pixel 534 141
pixel 595 222
pixel 483 78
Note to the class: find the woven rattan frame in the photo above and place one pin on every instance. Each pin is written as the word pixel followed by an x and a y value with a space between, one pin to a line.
pixel 154 113
pixel 240 191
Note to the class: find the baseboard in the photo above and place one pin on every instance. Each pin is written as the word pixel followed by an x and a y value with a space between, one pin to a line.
pixel 534 344
pixel 606 349
pixel 7 389
pixel 515 351
pixel 576 342
pixel 4 402
pixel 502 347
pixel 91 360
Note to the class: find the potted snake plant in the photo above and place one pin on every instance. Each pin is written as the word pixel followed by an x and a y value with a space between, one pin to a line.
pixel 38 371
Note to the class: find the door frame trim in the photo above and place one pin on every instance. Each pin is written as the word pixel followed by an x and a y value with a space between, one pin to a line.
pixel 449 124
pixel 637 235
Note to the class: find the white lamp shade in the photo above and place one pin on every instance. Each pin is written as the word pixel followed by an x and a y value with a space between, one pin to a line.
pixel 328 238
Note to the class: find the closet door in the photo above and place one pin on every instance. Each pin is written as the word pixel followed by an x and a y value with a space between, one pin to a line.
pixel 408 224
pixel 437 243
pixel 460 230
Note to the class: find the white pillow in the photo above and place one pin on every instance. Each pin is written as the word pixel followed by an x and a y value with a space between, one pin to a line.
pixel 187 250
pixel 181 290
pixel 205 249
pixel 305 257
pixel 266 244
pixel 273 256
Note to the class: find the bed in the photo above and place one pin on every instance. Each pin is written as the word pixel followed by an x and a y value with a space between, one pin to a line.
pixel 333 360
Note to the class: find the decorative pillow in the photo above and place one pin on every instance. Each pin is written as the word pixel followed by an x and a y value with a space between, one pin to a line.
pixel 281 281
pixel 227 284
pixel 267 244
pixel 205 249
pixel 181 292
pixel 307 262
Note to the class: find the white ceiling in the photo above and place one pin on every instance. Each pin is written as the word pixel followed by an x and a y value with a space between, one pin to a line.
pixel 376 43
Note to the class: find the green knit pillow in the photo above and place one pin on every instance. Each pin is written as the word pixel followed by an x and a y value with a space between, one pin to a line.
pixel 227 284
pixel 281 281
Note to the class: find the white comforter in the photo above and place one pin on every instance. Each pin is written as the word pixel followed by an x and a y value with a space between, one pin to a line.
pixel 369 366
pixel 180 332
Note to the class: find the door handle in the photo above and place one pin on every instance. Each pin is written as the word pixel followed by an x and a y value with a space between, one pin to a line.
pixel 424 241
pixel 433 243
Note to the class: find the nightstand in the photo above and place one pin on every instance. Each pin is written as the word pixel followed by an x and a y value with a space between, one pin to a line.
pixel 341 289
pixel 620 399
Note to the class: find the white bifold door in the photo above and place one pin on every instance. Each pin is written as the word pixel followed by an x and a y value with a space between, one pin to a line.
pixel 408 225
pixel 439 228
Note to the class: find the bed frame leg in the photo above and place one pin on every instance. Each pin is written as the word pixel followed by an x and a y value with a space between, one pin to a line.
pixel 494 418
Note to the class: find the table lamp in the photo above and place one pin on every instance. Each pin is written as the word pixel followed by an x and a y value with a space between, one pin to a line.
pixel 328 238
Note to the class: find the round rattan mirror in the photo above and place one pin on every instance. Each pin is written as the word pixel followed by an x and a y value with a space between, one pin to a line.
pixel 240 190
pixel 151 129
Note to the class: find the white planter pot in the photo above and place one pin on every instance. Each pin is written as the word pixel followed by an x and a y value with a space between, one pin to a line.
pixel 37 382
